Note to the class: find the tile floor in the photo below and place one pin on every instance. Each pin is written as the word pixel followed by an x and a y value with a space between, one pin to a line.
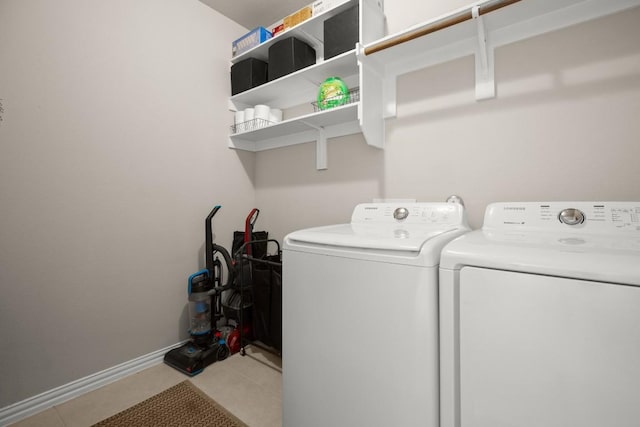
pixel 249 387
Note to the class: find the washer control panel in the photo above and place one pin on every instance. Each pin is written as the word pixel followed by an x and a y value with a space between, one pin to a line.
pixel 588 217
pixel 409 213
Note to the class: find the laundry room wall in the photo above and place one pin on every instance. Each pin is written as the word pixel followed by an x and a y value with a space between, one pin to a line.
pixel 113 150
pixel 564 126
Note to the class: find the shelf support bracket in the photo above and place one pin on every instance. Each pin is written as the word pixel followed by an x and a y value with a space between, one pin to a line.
pixel 321 150
pixel 321 147
pixel 485 74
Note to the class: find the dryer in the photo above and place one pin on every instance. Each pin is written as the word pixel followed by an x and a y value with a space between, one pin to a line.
pixel 540 317
pixel 360 317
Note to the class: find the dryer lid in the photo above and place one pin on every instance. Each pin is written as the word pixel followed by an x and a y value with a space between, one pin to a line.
pixel 603 245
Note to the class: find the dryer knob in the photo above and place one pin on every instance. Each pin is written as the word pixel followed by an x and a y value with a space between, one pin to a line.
pixel 571 216
pixel 401 213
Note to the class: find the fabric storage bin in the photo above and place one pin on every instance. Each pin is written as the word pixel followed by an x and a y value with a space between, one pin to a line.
pixel 289 55
pixel 248 74
pixel 341 32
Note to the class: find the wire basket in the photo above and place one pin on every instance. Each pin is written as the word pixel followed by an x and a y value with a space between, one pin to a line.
pixel 250 125
pixel 353 96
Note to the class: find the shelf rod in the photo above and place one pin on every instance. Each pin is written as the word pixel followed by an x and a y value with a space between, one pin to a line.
pixel 437 26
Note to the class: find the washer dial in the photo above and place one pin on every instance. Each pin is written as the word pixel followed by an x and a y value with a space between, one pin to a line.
pixel 401 214
pixel 571 216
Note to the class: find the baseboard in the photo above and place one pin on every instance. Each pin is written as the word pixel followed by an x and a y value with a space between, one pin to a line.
pixel 31 406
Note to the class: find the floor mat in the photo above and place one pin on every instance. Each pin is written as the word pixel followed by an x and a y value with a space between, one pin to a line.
pixel 181 405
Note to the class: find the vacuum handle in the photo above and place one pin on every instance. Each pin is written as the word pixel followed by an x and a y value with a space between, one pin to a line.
pixel 208 239
pixel 248 227
pixel 212 213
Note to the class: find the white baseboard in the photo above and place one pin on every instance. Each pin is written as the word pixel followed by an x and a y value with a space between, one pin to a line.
pixel 31 406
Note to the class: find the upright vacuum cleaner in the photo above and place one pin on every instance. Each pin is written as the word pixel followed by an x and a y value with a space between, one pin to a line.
pixel 204 290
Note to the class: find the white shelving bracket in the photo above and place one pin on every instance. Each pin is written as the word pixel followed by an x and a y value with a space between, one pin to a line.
pixel 485 73
pixel 321 147
pixel 321 150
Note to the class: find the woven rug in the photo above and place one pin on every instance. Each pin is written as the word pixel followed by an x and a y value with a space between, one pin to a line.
pixel 181 405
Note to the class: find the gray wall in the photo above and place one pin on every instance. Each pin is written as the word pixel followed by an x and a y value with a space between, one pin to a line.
pixel 112 152
pixel 565 126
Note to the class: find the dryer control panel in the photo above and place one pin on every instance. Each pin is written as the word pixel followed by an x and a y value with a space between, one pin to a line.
pixel 587 217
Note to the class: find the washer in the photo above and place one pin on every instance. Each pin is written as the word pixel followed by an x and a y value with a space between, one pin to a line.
pixel 360 344
pixel 540 317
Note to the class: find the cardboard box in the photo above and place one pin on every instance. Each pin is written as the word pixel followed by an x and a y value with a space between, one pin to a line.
pixel 250 40
pixel 313 9
pixel 303 14
pixel 277 29
pixel 321 6
pixel 297 17
pixel 287 22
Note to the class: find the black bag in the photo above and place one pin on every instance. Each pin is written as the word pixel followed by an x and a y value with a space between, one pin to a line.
pixel 267 301
pixel 258 250
pixel 258 278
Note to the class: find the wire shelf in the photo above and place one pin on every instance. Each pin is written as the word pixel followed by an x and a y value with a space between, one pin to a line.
pixel 338 101
pixel 250 125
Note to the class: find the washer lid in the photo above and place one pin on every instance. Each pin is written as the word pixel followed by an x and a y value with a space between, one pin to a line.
pixel 406 238
pixel 384 231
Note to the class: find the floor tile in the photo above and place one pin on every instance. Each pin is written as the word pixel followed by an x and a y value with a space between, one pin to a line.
pixel 244 398
pixel 99 404
pixel 247 386
pixel 264 356
pixel 252 366
pixel 249 389
pixel 48 418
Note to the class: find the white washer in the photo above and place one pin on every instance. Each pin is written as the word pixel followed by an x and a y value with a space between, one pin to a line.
pixel 540 318
pixel 360 345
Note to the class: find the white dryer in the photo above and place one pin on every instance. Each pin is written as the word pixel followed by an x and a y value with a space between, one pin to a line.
pixel 540 318
pixel 360 317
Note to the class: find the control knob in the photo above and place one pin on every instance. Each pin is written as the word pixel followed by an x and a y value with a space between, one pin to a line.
pixel 401 213
pixel 571 216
